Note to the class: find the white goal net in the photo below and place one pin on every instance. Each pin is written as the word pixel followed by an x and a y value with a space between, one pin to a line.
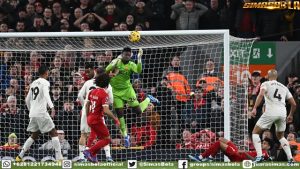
pixel 182 69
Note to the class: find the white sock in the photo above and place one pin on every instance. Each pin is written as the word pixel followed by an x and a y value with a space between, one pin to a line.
pixel 26 146
pixel 286 147
pixel 57 147
pixel 81 149
pixel 200 157
pixel 257 144
pixel 107 150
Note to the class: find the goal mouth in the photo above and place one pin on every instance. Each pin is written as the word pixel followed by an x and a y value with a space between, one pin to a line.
pixel 202 93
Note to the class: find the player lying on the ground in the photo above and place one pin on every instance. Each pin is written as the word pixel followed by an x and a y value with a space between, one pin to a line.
pixel 231 151
pixel 123 91
pixel 96 105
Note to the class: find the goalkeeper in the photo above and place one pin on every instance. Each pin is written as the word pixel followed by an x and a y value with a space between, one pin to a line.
pixel 123 91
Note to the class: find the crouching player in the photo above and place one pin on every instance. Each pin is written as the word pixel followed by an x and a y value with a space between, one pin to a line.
pixel 231 151
pixel 96 105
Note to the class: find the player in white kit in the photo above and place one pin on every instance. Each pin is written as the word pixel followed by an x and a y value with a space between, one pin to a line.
pixel 275 95
pixel 40 121
pixel 84 128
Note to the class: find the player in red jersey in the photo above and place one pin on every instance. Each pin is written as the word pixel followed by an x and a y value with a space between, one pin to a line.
pixel 96 105
pixel 231 151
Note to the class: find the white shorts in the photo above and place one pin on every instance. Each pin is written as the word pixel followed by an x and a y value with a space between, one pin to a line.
pixel 84 127
pixel 265 122
pixel 42 124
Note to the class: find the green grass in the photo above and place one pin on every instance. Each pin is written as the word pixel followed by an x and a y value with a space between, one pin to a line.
pixel 150 165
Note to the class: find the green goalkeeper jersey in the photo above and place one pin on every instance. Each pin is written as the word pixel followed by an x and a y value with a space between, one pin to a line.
pixel 122 79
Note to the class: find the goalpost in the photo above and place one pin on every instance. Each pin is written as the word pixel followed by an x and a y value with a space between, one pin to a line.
pixel 191 114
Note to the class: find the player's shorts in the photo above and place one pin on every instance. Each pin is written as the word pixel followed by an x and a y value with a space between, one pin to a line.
pixel 265 122
pixel 100 129
pixel 84 127
pixel 42 124
pixel 127 95
pixel 232 152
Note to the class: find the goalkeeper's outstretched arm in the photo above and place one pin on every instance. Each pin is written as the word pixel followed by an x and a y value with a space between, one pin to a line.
pixel 137 68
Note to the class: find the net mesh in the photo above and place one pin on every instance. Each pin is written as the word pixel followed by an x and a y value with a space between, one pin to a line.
pixel 184 72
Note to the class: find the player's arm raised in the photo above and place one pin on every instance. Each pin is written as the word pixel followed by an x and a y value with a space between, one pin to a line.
pixel 110 114
pixel 258 101
pixel 137 68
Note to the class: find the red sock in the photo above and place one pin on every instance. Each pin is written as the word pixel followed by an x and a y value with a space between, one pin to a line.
pixel 212 150
pixel 95 148
pixel 91 139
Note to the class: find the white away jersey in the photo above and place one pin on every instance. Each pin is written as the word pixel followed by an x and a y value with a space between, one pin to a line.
pixel 275 96
pixel 89 85
pixel 38 97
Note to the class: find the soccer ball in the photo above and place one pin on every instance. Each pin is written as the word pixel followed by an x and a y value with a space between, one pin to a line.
pixel 134 36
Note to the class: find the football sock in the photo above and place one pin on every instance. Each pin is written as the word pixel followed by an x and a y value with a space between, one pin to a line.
pixel 57 148
pixel 257 144
pixel 286 147
pixel 26 146
pixel 212 150
pixel 95 148
pixel 123 127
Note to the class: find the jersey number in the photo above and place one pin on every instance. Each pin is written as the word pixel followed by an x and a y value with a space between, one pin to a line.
pixel 35 92
pixel 276 95
pixel 92 106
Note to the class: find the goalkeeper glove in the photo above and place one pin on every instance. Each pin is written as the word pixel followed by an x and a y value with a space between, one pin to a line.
pixel 140 55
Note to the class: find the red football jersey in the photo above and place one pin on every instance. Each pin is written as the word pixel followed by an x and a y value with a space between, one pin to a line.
pixel 97 97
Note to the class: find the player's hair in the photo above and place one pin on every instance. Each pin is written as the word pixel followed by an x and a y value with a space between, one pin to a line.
pixel 126 49
pixel 102 80
pixel 88 65
pixel 270 142
pixel 42 70
pixel 100 70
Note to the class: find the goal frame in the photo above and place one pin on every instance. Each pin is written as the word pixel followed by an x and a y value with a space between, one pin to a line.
pixel 226 52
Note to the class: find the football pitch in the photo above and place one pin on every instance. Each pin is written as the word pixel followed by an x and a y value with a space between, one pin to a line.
pixel 146 165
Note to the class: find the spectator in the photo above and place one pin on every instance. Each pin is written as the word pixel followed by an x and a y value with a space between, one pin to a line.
pixel 187 15
pixel 84 6
pixel 65 145
pixel 12 143
pixel 142 14
pixel 130 22
pixel 139 27
pixel 245 21
pixel 123 26
pixel 270 25
pixel 267 134
pixel 111 15
pixel 297 113
pixel 20 27
pixel 290 82
pixel 95 22
pixel 68 119
pixel 75 86
pixel 180 88
pixel 56 97
pixel 157 17
pixel 138 88
pixel 211 18
pixel 292 141
pixel 57 12
pixel 143 136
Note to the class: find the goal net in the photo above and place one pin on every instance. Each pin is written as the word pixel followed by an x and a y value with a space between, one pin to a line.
pixel 201 96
